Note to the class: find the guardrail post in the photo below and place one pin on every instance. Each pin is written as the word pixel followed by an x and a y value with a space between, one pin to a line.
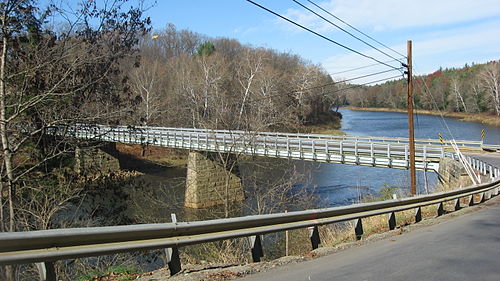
pixel 418 214
pixel 173 260
pixel 456 204
pixel 313 148
pixel 358 229
pixel 327 152
pixel 341 152
pixel 300 149
pixel 488 196
pixel 407 163
pixel 288 147
pixel 314 235
pixel 482 197
pixel 440 209
pixel 172 255
pixel 256 245
pixel 276 147
pixel 392 220
pixel 46 271
pixel 471 200
pixel 372 154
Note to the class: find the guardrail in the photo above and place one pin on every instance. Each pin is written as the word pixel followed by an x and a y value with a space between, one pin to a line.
pixel 322 148
pixel 47 246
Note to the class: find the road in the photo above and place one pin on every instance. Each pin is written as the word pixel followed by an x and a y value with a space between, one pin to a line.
pixel 492 158
pixel 466 247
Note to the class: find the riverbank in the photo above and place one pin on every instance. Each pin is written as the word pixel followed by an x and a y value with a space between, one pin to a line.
pixel 462 116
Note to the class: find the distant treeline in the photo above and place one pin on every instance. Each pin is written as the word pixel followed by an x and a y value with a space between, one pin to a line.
pixel 471 89
pixel 186 79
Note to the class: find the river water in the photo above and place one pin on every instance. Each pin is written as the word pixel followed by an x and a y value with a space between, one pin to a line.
pixel 338 184
pixel 154 196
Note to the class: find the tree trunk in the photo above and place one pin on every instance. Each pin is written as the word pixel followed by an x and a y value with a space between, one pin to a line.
pixel 7 154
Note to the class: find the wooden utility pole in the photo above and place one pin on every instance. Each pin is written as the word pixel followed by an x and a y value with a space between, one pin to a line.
pixel 411 132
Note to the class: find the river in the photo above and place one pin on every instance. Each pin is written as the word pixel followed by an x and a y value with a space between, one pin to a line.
pixel 339 184
pixel 152 197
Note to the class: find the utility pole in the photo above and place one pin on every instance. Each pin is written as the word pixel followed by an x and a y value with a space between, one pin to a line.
pixel 411 131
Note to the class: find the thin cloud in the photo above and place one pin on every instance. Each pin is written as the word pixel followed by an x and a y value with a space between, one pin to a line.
pixel 440 49
pixel 396 14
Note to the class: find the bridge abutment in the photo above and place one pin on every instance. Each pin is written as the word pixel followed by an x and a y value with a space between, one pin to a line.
pixel 210 183
pixel 452 174
pixel 101 159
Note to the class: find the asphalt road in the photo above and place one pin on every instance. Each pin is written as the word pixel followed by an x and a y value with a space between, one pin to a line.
pixel 492 158
pixel 466 247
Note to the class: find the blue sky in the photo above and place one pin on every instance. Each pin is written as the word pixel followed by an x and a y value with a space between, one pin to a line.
pixel 445 33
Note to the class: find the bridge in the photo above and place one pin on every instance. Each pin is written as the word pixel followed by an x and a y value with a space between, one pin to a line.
pixel 206 180
pixel 46 246
pixel 379 152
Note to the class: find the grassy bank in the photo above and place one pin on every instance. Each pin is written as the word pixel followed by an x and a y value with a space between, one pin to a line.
pixel 462 116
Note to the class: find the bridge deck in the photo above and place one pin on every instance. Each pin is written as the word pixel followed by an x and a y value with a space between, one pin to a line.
pixel 383 152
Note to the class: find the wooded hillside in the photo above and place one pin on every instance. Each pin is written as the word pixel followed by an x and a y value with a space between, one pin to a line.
pixel 186 79
pixel 471 89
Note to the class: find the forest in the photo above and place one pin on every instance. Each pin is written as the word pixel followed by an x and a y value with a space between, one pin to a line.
pixel 189 80
pixel 101 63
pixel 471 89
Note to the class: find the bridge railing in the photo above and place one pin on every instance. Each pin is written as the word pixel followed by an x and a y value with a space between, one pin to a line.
pixel 474 144
pixel 481 167
pixel 46 246
pixel 394 155
pixel 387 152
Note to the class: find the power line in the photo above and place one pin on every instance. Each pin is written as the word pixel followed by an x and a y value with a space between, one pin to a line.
pixel 358 68
pixel 320 35
pixel 331 92
pixel 343 81
pixel 326 11
pixel 339 27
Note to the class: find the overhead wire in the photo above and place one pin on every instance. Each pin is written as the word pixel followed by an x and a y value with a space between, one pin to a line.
pixel 358 68
pixel 329 84
pixel 344 30
pixel 347 80
pixel 320 35
pixel 346 23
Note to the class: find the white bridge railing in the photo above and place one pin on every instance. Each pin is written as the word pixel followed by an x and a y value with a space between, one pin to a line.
pixel 381 152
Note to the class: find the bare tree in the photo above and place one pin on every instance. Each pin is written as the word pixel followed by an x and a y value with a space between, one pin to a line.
pixel 146 82
pixel 490 82
pixel 457 97
pixel 50 78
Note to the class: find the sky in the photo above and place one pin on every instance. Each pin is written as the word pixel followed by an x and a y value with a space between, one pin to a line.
pixel 445 33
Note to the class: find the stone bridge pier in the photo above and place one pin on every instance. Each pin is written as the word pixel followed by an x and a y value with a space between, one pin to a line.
pixel 212 179
pixel 102 158
pixel 452 174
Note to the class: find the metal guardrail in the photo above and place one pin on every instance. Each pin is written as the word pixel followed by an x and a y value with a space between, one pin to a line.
pixel 51 245
pixel 321 148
